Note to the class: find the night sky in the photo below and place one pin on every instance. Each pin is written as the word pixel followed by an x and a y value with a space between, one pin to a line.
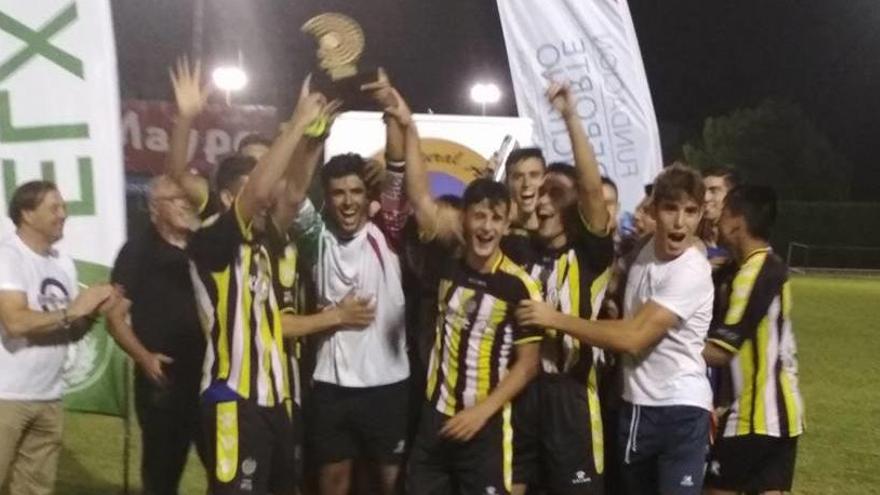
pixel 702 58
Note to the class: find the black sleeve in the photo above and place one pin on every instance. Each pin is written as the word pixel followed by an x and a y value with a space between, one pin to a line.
pixel 215 244
pixel 125 268
pixel 529 289
pixel 598 248
pixel 750 298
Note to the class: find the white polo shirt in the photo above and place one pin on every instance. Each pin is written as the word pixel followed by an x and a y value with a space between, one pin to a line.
pixel 31 368
pixel 673 372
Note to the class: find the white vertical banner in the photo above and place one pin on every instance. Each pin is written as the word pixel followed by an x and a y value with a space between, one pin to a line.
pixel 59 116
pixel 592 44
pixel 59 121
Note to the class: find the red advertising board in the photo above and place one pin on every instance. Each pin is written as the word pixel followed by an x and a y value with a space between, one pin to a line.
pixel 146 127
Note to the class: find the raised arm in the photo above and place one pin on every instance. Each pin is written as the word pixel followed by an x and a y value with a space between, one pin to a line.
pixel 257 193
pixel 434 222
pixel 591 203
pixel 190 95
pixel 300 172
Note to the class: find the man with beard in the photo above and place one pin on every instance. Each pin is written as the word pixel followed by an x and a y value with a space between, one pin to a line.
pixel 757 443
pixel 718 182
pixel 664 423
pixel 359 400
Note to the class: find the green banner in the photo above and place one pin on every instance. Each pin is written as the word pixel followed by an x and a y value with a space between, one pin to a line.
pixel 95 376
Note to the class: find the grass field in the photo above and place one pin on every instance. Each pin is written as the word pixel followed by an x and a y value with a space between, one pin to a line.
pixel 836 323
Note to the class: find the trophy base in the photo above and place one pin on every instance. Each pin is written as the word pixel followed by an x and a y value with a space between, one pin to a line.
pixel 347 89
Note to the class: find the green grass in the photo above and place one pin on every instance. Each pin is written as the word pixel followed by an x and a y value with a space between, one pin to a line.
pixel 836 323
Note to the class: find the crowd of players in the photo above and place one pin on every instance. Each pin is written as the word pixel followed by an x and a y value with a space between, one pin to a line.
pixel 513 340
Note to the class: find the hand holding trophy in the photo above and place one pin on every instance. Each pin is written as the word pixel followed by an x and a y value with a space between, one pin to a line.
pixel 341 43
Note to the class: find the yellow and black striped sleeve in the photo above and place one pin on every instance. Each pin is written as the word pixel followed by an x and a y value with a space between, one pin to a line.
pixel 754 288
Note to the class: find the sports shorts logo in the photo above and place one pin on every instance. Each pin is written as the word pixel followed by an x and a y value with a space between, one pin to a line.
pixel 491 490
pixel 687 480
pixel 581 478
pixel 715 468
pixel 248 466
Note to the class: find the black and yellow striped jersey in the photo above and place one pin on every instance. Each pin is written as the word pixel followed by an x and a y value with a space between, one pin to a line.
pixel 757 329
pixel 292 286
pixel 574 278
pixel 476 331
pixel 232 276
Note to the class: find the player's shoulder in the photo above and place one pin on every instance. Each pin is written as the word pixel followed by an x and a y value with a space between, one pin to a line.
pixel 514 277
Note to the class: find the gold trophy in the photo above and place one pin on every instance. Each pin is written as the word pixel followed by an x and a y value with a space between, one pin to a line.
pixel 340 45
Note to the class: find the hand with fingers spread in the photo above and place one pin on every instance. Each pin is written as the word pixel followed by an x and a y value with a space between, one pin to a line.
pixel 466 424
pixel 189 91
pixel 536 314
pixel 560 97
pixel 355 311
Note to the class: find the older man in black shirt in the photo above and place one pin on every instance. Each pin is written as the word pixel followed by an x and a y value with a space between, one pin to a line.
pixel 164 337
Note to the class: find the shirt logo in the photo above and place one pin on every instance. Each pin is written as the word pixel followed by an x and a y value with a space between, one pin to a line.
pixel 400 448
pixel 248 466
pixel 53 295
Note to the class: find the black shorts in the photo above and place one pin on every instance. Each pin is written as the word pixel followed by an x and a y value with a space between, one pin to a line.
pixel 480 466
pixel 527 436
pixel 357 423
pixel 572 458
pixel 249 448
pixel 752 463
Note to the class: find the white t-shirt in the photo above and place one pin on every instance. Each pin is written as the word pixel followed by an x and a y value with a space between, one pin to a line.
pixel 673 372
pixel 31 369
pixel 374 355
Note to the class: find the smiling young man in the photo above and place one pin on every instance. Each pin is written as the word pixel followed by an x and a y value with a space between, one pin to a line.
pixel 755 451
pixel 359 368
pixel 572 251
pixel 664 425
pixel 481 358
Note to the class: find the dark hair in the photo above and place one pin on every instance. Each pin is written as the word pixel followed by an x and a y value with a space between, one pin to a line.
pixel 254 138
pixel 521 154
pixel 678 181
pixel 28 197
pixel 485 189
pixel 757 205
pixel 341 166
pixel 563 168
pixel 451 200
pixel 610 183
pixel 729 174
pixel 231 169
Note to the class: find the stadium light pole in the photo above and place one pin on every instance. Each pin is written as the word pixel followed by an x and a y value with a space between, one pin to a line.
pixel 485 93
pixel 229 79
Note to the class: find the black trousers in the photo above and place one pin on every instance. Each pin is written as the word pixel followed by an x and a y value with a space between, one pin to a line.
pixel 169 419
